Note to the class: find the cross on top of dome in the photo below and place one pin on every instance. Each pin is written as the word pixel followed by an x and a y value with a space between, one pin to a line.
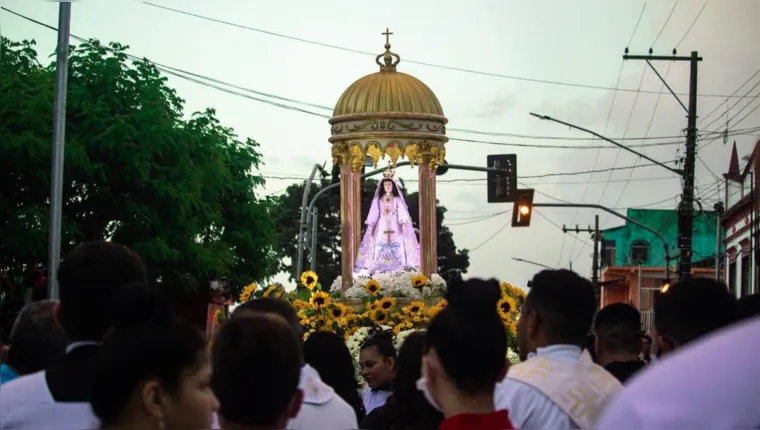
pixel 388 56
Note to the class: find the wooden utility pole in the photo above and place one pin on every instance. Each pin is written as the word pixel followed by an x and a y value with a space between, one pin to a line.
pixel 686 208
pixel 595 262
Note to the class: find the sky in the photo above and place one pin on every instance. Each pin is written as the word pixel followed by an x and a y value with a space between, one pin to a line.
pixel 513 53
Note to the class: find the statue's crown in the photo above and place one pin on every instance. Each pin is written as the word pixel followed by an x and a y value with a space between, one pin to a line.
pixel 389 172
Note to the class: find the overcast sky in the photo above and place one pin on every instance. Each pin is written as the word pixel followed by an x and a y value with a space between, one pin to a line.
pixel 578 42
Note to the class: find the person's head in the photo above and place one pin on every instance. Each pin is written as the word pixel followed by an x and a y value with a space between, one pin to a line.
pixel 274 306
pixel 558 310
pixel 590 345
pixel 328 354
pixel 377 359
pixel 618 333
pixel 257 367
pixel 646 345
pixel 689 310
pixel 89 277
pixel 388 186
pixel 409 407
pixel 749 306
pixel 36 339
pixel 154 376
pixel 466 346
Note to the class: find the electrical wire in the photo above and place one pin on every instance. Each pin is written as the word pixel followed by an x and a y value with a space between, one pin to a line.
pixel 422 63
pixel 663 27
pixel 490 237
pixel 691 26
pixel 704 118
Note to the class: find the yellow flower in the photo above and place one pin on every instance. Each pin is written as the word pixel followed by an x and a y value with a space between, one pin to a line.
pixel 337 311
pixel 309 279
pixel 378 316
pixel 372 287
pixel 299 305
pixel 218 315
pixel 508 289
pixel 248 292
pixel 386 304
pixel 419 281
pixel 506 307
pixel 415 308
pixel 272 291
pixel 320 299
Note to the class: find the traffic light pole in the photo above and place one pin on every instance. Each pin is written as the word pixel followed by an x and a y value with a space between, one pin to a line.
pixel 595 262
pixel 686 208
pixel 619 215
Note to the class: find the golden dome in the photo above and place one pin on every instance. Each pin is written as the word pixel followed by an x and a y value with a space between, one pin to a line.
pixel 388 91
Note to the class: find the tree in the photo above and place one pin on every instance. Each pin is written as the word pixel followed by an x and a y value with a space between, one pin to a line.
pixel 179 191
pixel 452 262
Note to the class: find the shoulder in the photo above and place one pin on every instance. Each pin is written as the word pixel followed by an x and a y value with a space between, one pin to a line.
pixel 335 413
pixel 528 407
pixel 26 389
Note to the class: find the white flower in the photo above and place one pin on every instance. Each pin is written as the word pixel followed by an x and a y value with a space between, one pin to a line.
pixel 395 284
pixel 513 357
pixel 401 337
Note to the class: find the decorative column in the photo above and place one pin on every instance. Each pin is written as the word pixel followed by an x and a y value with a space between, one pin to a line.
pixel 428 214
pixel 350 208
pixel 357 164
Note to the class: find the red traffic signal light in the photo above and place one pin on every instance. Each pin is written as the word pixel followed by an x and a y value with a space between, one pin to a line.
pixel 523 208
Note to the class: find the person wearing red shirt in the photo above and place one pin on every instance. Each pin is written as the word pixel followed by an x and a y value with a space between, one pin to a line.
pixel 466 350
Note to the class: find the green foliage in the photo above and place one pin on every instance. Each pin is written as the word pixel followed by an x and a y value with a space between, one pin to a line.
pixel 179 191
pixel 452 262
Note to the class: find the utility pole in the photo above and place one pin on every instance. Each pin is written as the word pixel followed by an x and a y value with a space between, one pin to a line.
pixel 595 262
pixel 59 137
pixel 686 208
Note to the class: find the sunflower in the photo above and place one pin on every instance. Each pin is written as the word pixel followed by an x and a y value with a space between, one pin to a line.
pixel 508 289
pixel 506 307
pixel 419 281
pixel 386 304
pixel 272 291
pixel 372 287
pixel 299 305
pixel 218 316
pixel 248 292
pixel 414 308
pixel 378 316
pixel 320 300
pixel 337 311
pixel 309 279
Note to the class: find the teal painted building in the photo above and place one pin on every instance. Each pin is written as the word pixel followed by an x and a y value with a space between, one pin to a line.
pixel 631 245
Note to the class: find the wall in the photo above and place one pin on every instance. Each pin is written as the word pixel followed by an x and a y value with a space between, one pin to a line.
pixel 666 223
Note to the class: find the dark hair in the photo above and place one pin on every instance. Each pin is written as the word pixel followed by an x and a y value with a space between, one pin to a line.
pixel 749 306
pixel 131 356
pixel 257 367
pixel 590 345
pixel 469 337
pixel 382 340
pixel 693 308
pixel 407 408
pixel 36 339
pixel 328 354
pixel 89 277
pixel 273 306
pixel 618 328
pixel 565 303
pixel 395 191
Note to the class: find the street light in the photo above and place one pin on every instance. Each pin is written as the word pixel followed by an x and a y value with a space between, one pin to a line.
pixel 533 263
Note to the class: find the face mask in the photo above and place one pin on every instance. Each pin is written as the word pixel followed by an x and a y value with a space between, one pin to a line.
pixel 422 386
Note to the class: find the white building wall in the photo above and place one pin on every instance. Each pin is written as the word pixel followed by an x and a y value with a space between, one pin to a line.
pixel 736 243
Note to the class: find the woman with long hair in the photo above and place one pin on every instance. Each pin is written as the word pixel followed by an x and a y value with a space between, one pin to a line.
pixel 406 408
pixel 328 354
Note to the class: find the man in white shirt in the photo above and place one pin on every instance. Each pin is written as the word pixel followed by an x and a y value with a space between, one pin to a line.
pixel 558 386
pixel 709 384
pixel 322 408
pixel 90 279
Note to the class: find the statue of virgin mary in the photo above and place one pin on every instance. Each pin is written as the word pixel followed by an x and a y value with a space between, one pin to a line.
pixel 389 243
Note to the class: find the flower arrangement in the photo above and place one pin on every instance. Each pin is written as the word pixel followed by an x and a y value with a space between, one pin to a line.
pixel 406 283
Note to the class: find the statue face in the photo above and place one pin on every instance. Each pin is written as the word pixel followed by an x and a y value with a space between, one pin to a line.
pixel 388 186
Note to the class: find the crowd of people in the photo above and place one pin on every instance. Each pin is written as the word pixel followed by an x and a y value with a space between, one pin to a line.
pixel 110 355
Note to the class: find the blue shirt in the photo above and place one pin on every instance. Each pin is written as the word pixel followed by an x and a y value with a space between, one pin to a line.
pixel 6 374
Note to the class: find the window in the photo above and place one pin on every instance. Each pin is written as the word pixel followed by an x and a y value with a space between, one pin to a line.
pixel 639 252
pixel 746 286
pixel 732 278
pixel 608 253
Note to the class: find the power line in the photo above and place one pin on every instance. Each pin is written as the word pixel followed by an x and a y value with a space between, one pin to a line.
pixel 214 84
pixel 728 99
pixel 490 237
pixel 422 63
pixel 663 26
pixel 692 25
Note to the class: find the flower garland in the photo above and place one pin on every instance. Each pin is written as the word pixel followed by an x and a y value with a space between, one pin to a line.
pixel 407 283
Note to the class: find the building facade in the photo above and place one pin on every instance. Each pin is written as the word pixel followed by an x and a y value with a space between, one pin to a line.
pixel 634 261
pixel 740 222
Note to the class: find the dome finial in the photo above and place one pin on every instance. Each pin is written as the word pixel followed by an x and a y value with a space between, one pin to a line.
pixel 390 63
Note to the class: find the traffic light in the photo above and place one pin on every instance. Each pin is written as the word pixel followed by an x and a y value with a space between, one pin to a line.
pixel 665 286
pixel 523 208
